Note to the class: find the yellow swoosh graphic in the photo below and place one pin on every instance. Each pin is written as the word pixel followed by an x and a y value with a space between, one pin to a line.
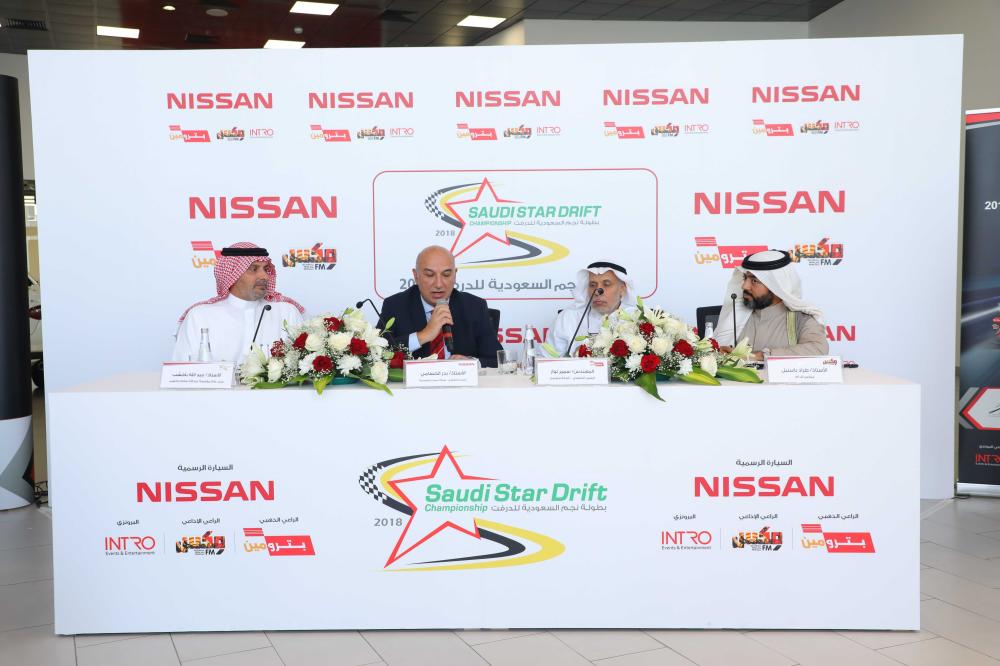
pixel 558 252
pixel 549 548
pixel 388 474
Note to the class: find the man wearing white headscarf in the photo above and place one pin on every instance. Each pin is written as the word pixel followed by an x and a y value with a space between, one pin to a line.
pixel 246 306
pixel 771 313
pixel 601 288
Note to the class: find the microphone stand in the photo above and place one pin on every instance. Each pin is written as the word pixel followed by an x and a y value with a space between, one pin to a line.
pixel 597 292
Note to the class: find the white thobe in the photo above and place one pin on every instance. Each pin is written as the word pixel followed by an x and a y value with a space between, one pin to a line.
pixel 565 324
pixel 231 323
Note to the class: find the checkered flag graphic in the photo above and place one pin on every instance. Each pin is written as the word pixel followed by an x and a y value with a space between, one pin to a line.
pixel 369 482
pixel 431 204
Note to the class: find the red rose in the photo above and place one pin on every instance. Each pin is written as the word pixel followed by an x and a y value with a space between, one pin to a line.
pixel 583 350
pixel 278 349
pixel 684 348
pixel 322 364
pixel 332 324
pixel 359 347
pixel 650 362
pixel 300 342
pixel 619 348
pixel 715 345
pixel 647 329
pixel 397 360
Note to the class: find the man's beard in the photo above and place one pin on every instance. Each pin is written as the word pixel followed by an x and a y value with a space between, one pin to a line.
pixel 757 303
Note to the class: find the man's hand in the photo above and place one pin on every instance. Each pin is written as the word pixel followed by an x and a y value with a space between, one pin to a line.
pixel 460 357
pixel 440 316
pixel 725 350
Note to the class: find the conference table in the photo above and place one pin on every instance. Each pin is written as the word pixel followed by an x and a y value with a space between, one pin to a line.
pixel 507 505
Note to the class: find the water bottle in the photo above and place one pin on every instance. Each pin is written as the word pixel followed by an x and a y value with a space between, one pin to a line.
pixel 709 330
pixel 205 348
pixel 529 351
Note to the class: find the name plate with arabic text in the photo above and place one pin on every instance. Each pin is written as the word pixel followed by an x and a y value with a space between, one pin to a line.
pixel 805 370
pixel 437 373
pixel 572 371
pixel 194 375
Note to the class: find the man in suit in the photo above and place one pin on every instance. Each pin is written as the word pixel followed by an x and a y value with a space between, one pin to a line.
pixel 422 311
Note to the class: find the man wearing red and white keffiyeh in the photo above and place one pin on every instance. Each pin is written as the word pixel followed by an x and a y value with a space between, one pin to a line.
pixel 246 297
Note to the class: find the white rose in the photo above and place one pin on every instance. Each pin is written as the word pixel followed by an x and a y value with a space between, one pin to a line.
pixel 306 364
pixel 674 326
pixel 253 365
pixel 275 366
pixel 660 346
pixel 339 341
pixel 316 323
pixel 314 343
pixel 603 339
pixel 636 344
pixel 709 364
pixel 355 321
pixel 348 363
pixel 634 362
pixel 685 367
pixel 380 372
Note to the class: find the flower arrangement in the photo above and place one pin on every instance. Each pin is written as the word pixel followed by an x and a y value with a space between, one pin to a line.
pixel 325 350
pixel 646 344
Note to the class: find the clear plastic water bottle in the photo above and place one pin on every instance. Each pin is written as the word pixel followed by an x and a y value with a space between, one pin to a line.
pixel 709 330
pixel 205 348
pixel 528 357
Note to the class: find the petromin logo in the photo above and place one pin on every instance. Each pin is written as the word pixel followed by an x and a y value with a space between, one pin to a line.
pixel 456 519
pixel 189 135
pixel 327 135
pixel 464 131
pixel 772 129
pixel 623 131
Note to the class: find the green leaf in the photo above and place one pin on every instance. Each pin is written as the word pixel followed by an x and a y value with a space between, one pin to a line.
pixel 321 383
pixel 269 385
pixel 647 382
pixel 638 301
pixel 388 324
pixel 699 376
pixel 397 375
pixel 550 350
pixel 748 375
pixel 374 384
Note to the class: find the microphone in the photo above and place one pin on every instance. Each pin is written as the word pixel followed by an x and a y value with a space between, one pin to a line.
pixel 597 292
pixel 733 297
pixel 449 342
pixel 368 300
pixel 266 308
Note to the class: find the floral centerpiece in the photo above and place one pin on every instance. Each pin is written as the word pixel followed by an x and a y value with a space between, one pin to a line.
pixel 325 350
pixel 646 344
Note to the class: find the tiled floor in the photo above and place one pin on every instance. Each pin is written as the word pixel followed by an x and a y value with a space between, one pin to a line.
pixel 960 585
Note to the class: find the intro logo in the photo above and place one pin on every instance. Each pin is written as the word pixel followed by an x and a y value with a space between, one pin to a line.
pixel 206 544
pixel 401 133
pixel 846 126
pixel 668 130
pixel 479 213
pixel 260 133
pixel 548 130
pixel 277 546
pixel 728 256
pixel 686 540
pixel 189 136
pixel 315 258
pixel 696 128
pixel 320 133
pixel 813 536
pixel 818 127
pixel 231 134
pixel 204 247
pixel 373 134
pixel 120 546
pixel 823 253
pixel 764 540
pixel 624 132
pixel 445 507
pixel 519 132
pixel 772 129
pixel 476 133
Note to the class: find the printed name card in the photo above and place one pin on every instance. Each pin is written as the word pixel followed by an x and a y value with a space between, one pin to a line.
pixel 197 375
pixel 805 370
pixel 435 373
pixel 572 371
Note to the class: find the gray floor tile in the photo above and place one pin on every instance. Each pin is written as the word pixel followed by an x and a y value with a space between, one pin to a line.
pixel 961 626
pixel 148 651
pixel 260 657
pixel 661 657
pixel 322 648
pixel 720 648
pixel 537 650
pixel 877 640
pixel 34 530
pixel 210 644
pixel 936 652
pixel 963 516
pixel 479 636
pixel 26 605
pixel 86 640
pixel 820 648
pixel 958 539
pixel 961 592
pixel 422 648
pixel 38 645
pixel 984 572
pixel 21 565
pixel 596 645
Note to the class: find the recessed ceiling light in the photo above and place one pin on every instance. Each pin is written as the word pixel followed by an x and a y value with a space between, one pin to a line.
pixel 283 44
pixel 473 21
pixel 168 8
pixel 217 12
pixel 317 8
pixel 112 31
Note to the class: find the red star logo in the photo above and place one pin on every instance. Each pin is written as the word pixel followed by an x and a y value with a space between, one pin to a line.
pixel 486 234
pixel 427 525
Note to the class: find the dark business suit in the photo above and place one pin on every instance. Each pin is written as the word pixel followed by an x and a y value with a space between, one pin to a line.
pixel 473 334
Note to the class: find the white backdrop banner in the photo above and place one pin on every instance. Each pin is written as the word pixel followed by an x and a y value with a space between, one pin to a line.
pixel 675 160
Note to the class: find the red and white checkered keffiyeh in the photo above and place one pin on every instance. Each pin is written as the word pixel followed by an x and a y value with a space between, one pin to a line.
pixel 229 269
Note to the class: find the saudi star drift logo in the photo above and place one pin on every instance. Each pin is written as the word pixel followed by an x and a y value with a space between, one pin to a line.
pixel 479 214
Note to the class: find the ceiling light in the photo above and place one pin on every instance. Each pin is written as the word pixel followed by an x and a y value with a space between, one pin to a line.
pixel 168 8
pixel 317 8
pixel 217 12
pixel 481 21
pixel 283 44
pixel 112 31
